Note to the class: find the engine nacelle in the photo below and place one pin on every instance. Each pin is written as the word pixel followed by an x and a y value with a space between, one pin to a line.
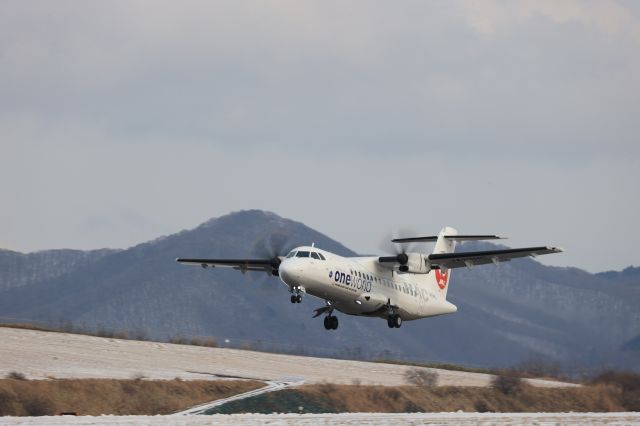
pixel 416 264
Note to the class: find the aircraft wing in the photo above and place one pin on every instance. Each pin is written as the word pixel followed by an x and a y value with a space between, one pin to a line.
pixel 243 265
pixel 459 260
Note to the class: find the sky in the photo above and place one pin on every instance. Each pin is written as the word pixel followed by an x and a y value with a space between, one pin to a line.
pixel 122 121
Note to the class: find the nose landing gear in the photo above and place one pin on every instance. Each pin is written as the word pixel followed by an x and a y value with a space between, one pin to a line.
pixel 296 297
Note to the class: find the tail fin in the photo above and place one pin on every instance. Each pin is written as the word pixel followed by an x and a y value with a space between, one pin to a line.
pixel 444 245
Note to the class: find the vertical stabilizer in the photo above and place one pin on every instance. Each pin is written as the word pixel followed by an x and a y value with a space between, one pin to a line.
pixel 444 245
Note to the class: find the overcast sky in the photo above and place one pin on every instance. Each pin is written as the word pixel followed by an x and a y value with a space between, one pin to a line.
pixel 124 121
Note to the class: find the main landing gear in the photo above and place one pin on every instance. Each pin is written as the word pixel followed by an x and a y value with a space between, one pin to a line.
pixel 296 297
pixel 331 322
pixel 394 321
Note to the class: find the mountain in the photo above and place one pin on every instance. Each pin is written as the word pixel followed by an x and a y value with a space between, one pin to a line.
pixel 507 314
pixel 18 269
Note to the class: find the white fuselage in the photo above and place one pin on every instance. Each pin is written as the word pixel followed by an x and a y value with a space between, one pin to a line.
pixel 362 286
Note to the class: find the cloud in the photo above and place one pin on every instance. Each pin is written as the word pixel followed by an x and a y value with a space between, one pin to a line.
pixel 104 106
pixel 609 17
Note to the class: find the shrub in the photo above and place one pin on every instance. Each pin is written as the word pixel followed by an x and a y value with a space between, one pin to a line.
pixel 38 405
pixel 481 406
pixel 625 380
pixel 506 383
pixel 16 376
pixel 137 376
pixel 539 366
pixel 7 400
pixel 628 382
pixel 178 339
pixel 210 342
pixel 421 377
pixel 196 341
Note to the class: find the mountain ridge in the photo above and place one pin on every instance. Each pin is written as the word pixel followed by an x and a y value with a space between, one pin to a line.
pixel 507 313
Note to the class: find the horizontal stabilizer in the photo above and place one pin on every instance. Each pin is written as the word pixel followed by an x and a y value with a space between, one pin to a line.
pixel 434 238
pixel 468 259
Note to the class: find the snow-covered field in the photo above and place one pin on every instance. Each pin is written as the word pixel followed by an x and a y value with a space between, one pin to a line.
pixel 464 419
pixel 39 355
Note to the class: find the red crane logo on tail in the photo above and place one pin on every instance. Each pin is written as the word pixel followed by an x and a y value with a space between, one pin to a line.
pixel 442 278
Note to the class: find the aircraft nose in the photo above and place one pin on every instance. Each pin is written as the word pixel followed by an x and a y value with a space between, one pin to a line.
pixel 289 273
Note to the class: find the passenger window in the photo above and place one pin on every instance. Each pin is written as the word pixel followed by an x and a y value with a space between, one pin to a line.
pixel 315 255
pixel 302 254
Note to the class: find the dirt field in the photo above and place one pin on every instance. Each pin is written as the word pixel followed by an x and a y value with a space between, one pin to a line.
pixel 38 355
pixel 109 396
pixel 330 398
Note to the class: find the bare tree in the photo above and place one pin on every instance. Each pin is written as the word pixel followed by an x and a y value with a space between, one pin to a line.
pixel 507 382
pixel 421 377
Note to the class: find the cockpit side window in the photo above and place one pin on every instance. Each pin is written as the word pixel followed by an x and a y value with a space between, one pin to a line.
pixel 293 253
pixel 321 256
pixel 315 255
pixel 302 254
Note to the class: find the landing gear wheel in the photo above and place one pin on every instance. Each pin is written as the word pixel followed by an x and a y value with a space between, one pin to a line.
pixel 327 325
pixel 334 323
pixel 294 298
pixel 330 322
pixel 299 298
pixel 394 321
pixel 397 321
pixel 390 322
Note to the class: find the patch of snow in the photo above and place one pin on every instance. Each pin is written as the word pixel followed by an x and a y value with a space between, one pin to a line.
pixel 463 419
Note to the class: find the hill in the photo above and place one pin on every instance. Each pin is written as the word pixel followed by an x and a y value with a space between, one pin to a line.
pixel 510 313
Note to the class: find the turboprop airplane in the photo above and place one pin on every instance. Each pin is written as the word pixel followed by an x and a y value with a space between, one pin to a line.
pixel 403 287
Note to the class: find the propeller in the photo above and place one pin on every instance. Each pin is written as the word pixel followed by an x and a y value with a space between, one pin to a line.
pixel 399 249
pixel 273 246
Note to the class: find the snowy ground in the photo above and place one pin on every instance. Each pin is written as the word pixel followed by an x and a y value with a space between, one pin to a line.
pixel 39 355
pixel 464 419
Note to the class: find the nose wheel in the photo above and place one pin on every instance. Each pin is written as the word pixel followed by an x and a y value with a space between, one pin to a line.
pixel 296 297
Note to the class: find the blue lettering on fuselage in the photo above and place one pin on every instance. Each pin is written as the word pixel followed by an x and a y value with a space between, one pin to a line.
pixel 346 279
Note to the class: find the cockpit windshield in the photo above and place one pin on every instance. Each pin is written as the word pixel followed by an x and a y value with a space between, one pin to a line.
pixel 304 253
